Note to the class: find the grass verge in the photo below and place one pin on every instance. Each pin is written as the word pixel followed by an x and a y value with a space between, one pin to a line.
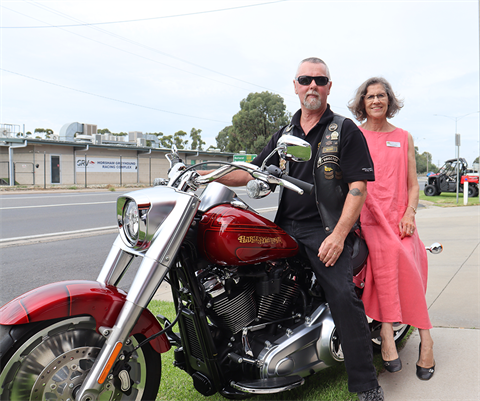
pixel 448 199
pixel 327 385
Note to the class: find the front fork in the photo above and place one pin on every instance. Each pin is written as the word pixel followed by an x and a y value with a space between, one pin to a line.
pixel 156 263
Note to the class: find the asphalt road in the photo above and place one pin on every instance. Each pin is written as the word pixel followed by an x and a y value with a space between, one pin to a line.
pixel 49 237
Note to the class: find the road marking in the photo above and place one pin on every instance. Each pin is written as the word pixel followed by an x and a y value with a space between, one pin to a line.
pixel 62 233
pixel 59 204
pixel 4 196
pixel 77 233
pixel 35 239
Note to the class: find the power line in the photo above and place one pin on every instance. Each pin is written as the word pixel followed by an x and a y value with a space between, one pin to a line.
pixel 146 47
pixel 111 98
pixel 142 19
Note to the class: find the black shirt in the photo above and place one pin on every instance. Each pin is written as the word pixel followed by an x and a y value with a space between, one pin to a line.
pixel 355 162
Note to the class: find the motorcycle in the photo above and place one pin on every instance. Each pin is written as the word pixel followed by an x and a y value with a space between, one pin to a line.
pixel 251 315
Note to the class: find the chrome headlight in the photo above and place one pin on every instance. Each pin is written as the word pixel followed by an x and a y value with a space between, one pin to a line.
pixel 141 213
pixel 131 221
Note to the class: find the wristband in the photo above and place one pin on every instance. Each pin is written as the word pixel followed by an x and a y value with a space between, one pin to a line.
pixel 414 210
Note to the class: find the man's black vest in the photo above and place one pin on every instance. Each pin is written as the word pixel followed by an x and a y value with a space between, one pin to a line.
pixel 330 189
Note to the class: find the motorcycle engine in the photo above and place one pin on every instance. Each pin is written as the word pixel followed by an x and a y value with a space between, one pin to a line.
pixel 240 296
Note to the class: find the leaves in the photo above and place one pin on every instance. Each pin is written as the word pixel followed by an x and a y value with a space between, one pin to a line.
pixel 424 162
pixel 197 143
pixel 260 116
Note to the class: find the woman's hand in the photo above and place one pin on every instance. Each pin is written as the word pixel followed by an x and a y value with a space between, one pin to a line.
pixel 407 224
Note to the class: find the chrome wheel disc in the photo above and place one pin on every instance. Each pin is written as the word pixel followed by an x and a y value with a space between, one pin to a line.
pixel 398 331
pixel 53 363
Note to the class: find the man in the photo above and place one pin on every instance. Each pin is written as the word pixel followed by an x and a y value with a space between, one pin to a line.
pixel 312 219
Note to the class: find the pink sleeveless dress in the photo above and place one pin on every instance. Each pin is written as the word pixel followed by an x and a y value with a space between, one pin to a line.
pixel 397 269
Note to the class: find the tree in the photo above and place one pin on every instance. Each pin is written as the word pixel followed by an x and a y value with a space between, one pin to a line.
pixel 260 116
pixel 166 141
pixel 223 139
pixel 197 142
pixel 178 140
pixel 47 131
pixel 424 162
pixel 226 141
pixel 103 131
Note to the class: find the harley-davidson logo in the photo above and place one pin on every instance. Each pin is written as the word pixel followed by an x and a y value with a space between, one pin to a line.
pixel 255 239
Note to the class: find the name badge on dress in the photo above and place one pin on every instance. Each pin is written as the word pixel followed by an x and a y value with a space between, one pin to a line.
pixel 393 144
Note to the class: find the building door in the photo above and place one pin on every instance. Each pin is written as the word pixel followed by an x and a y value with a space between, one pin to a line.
pixel 55 163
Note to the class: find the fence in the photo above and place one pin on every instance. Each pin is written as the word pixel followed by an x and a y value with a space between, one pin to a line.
pixel 85 169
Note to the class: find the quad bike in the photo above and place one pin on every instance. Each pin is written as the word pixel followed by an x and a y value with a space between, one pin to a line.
pixel 445 180
pixel 251 315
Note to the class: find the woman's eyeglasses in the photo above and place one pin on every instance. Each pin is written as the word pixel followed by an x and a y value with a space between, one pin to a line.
pixel 380 97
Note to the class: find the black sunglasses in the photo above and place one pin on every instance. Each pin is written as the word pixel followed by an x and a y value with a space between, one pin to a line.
pixel 306 80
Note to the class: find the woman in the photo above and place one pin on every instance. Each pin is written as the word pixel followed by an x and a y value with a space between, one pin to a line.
pixel 397 265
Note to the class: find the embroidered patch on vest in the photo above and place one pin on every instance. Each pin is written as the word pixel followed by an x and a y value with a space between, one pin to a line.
pixel 329 175
pixel 334 135
pixel 329 149
pixel 328 159
pixel 333 127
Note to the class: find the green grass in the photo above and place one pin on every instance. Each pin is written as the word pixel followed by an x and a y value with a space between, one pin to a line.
pixel 446 199
pixel 327 385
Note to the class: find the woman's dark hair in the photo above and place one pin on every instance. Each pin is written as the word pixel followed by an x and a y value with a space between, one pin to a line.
pixel 357 104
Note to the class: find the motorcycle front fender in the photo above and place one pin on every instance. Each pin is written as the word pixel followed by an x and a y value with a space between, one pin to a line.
pixel 76 298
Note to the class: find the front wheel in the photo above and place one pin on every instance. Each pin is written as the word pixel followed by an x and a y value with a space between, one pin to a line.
pixel 472 191
pixel 399 332
pixel 50 360
pixel 430 190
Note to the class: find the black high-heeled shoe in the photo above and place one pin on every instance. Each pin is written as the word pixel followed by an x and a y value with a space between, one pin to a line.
pixel 424 373
pixel 393 366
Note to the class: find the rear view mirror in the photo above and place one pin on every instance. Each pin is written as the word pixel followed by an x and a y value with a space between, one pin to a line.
pixel 294 149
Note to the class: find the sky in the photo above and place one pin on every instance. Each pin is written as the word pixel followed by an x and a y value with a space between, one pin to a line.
pixel 165 66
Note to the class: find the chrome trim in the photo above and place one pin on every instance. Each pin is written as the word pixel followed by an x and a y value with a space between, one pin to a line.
pixel 215 194
pixel 91 389
pixel 250 390
pixel 301 351
pixel 435 248
pixel 116 264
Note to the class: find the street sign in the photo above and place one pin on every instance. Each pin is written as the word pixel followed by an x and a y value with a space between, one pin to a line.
pixel 244 157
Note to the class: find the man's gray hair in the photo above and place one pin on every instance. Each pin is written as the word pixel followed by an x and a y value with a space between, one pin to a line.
pixel 315 60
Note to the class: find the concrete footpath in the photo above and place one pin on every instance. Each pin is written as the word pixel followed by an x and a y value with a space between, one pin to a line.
pixel 454 305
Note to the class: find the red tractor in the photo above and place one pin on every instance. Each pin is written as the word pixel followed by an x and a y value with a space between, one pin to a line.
pixel 445 180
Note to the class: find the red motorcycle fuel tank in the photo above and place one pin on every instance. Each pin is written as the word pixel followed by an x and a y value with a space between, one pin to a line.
pixel 234 236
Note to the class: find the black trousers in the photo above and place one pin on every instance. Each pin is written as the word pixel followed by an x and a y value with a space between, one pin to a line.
pixel 347 310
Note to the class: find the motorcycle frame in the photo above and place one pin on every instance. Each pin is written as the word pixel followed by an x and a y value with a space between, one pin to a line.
pixel 157 262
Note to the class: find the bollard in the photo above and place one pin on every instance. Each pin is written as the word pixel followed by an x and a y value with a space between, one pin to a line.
pixel 465 191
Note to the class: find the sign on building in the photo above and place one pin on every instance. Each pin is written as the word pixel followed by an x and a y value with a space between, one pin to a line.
pixel 105 165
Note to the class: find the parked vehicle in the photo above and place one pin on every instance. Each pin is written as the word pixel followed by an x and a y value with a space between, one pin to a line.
pixel 251 315
pixel 445 180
